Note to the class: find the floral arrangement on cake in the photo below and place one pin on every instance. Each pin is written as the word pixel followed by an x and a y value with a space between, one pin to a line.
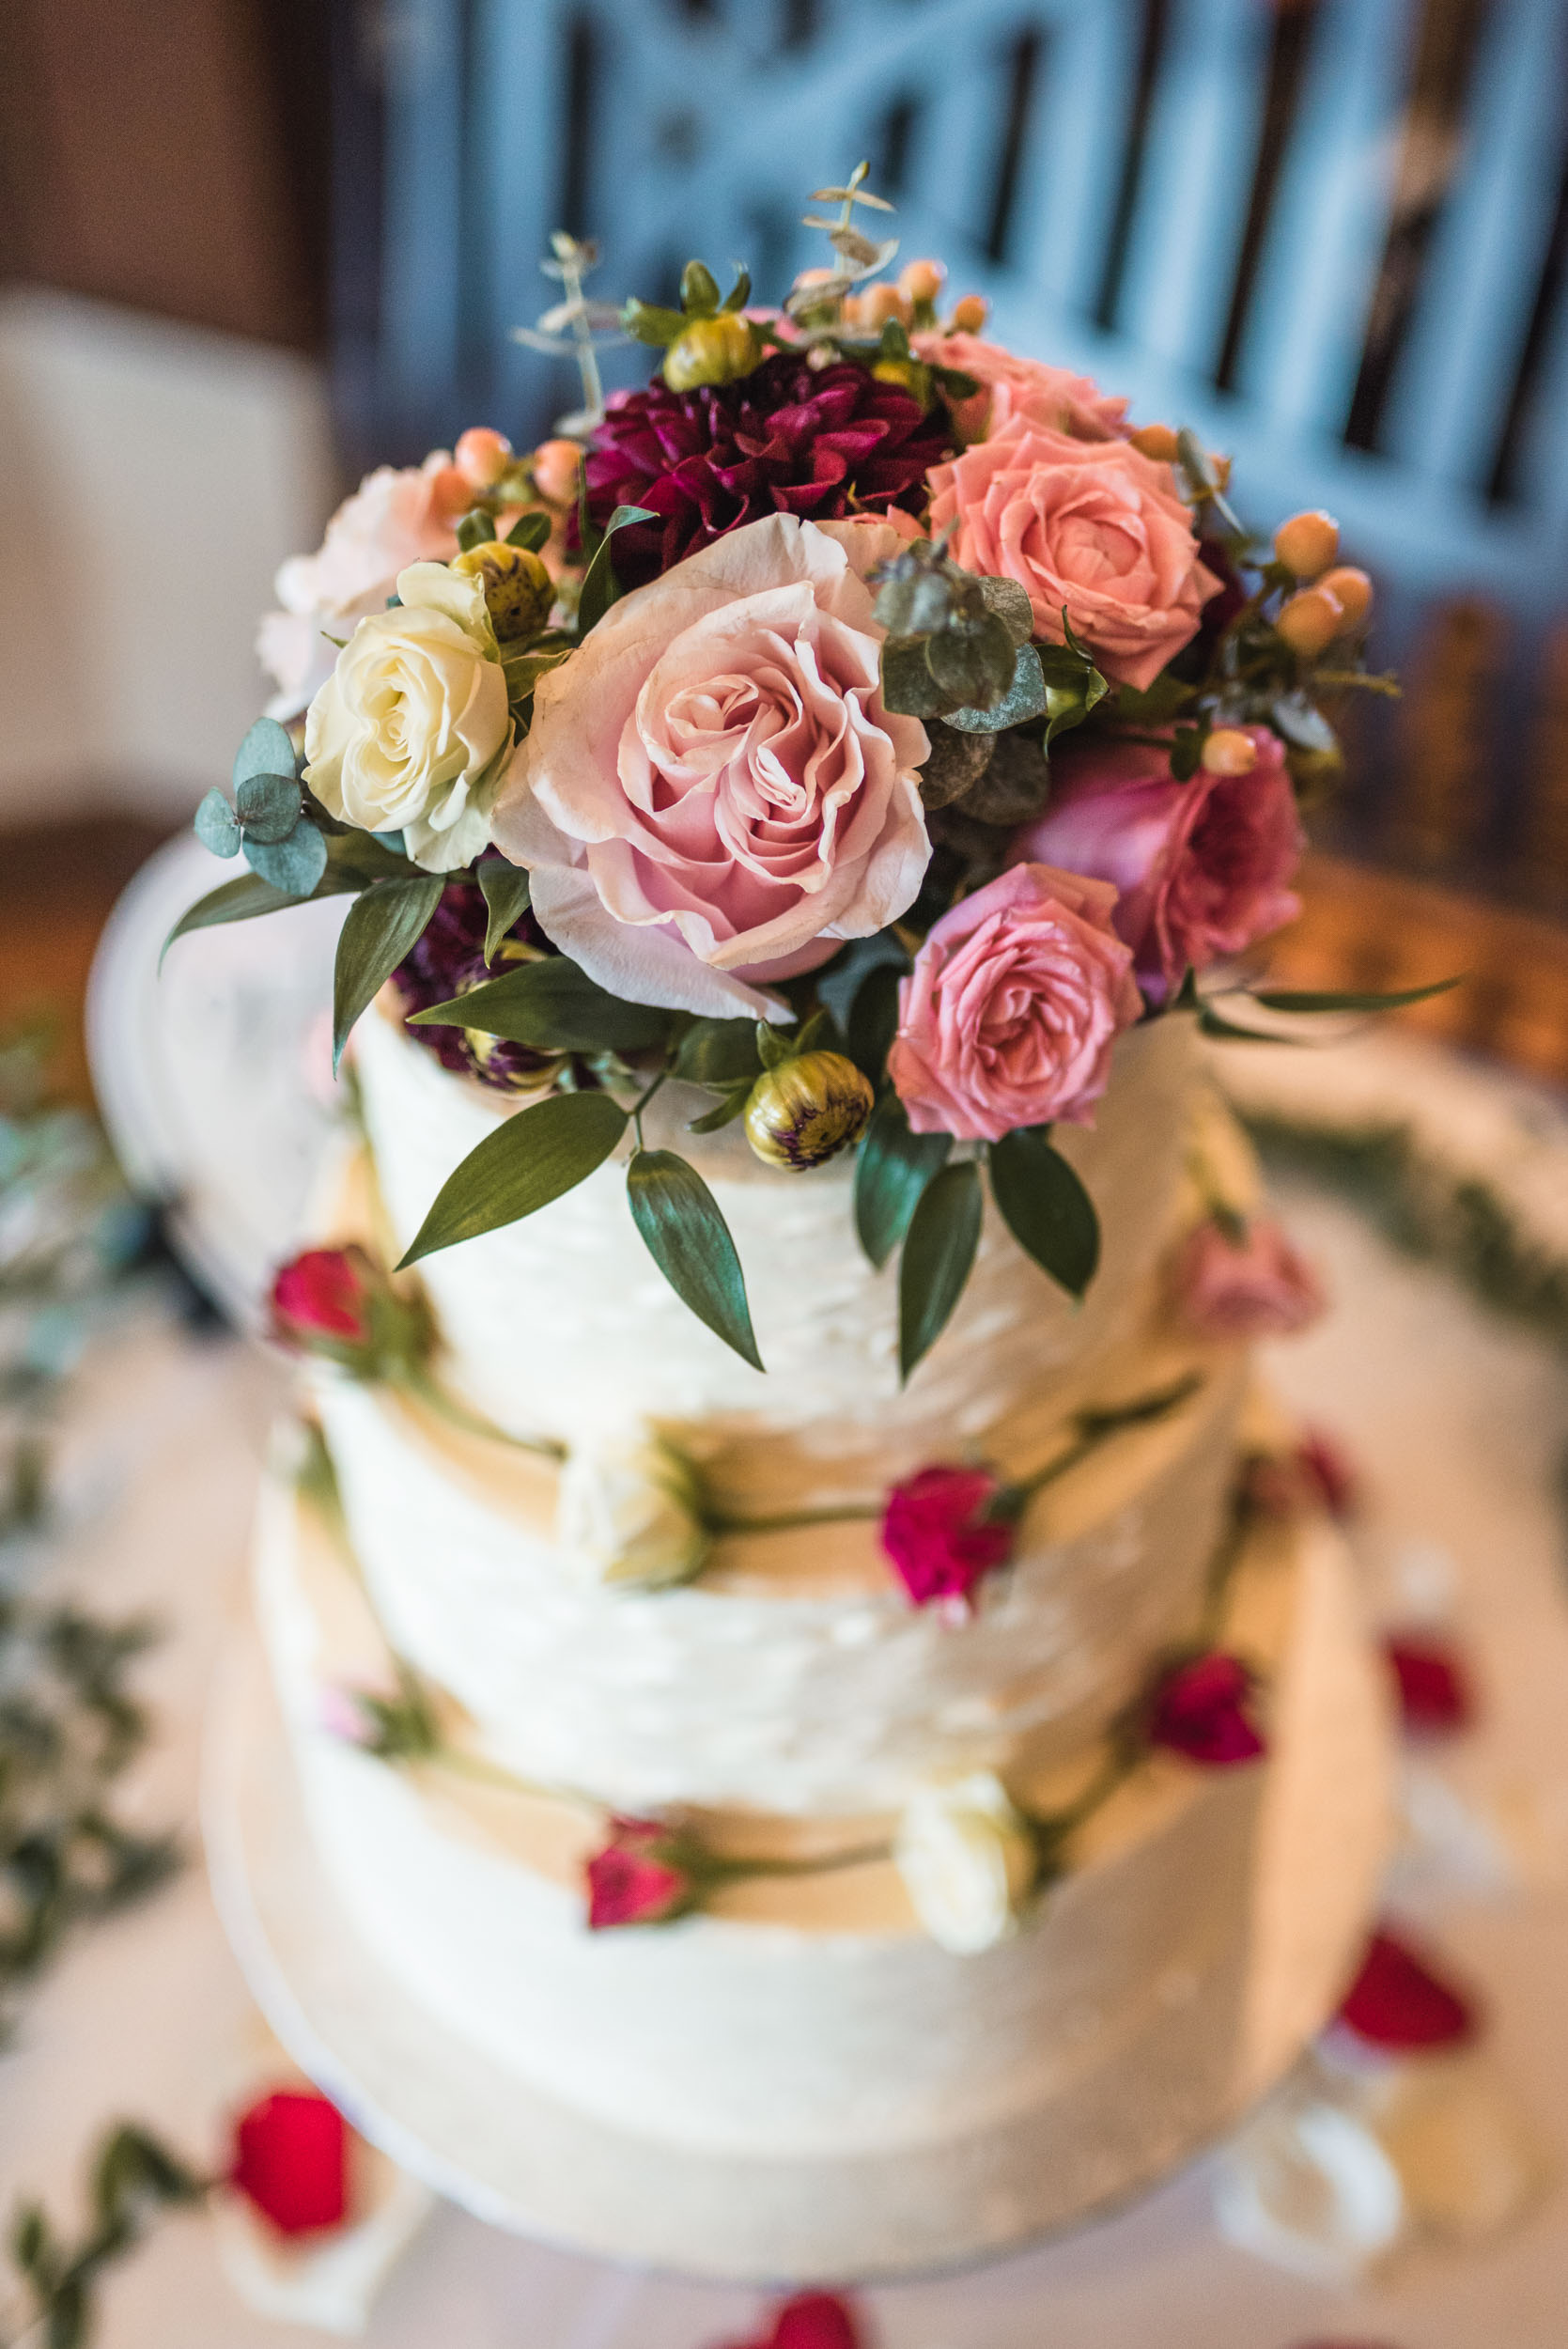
pixel 864 724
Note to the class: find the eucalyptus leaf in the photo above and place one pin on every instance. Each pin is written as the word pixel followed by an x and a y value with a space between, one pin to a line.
pixel 531 1158
pixel 268 807
pixel 1303 724
pixel 382 927
pixel 717 1052
pixel 531 531
pixel 600 587
pixel 239 900
pixel 938 1252
pixel 265 751
pixel 505 894
pixel 1011 604
pixel 215 825
pixel 973 666
pixel 689 1240
pixel 1046 1206
pixel 893 1168
pixel 554 1007
pixel 909 688
pixel 1320 999
pixel 1025 698
pixel 295 865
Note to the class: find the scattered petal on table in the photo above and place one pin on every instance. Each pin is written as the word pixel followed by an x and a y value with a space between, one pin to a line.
pixel 1307 2185
pixel 1397 2001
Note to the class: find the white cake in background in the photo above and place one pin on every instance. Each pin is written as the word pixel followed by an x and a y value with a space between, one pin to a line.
pixel 792 1700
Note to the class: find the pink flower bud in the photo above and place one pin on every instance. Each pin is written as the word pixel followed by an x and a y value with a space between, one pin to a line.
pixel 1250 1285
pixel 290 2161
pixel 638 1878
pixel 323 1294
pixel 482 456
pixel 940 1537
pixel 1229 751
pixel 1306 544
pixel 555 469
pixel 1396 2002
pixel 1199 1710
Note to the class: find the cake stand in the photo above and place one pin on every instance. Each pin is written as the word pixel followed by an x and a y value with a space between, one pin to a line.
pixel 521 2160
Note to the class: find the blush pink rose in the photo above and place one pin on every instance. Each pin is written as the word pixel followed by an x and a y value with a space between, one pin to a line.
pixel 712 795
pixel 1202 868
pixel 1091 525
pixel 398 516
pixel 1011 386
pixel 1011 1010
pixel 1246 1284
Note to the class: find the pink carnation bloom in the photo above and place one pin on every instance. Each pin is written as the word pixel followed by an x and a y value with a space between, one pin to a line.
pixel 1011 1010
pixel 1202 868
pixel 1253 1285
pixel 936 1530
pixel 1011 386
pixel 636 1879
pixel 1090 526
pixel 711 794
pixel 1199 1710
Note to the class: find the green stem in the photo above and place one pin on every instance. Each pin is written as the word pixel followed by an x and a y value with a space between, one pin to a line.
pixel 857 1856
pixel 788 1520
pixel 1096 1427
pixel 485 1773
pixel 416 1380
pixel 643 1100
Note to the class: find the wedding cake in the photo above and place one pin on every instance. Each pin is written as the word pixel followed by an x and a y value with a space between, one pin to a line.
pixel 790 1605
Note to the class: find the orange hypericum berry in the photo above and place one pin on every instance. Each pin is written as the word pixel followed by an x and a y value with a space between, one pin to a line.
pixel 969 314
pixel 923 281
pixel 482 455
pixel 1229 752
pixel 1310 620
pixel 1353 590
pixel 555 464
pixel 1306 544
pixel 1156 441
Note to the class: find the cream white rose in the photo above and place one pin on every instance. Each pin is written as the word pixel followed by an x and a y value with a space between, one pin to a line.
pixel 411 731
pixel 968 1862
pixel 629 1512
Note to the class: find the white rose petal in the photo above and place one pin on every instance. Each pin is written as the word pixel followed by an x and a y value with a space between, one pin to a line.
pixel 1307 2185
pixel 627 1512
pixel 968 1862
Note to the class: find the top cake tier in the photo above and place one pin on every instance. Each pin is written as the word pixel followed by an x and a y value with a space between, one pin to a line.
pixel 561 1325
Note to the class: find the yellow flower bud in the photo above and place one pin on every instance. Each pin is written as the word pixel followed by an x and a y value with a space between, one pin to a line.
pixel 912 375
pixel 519 590
pixel 712 351
pixel 1229 752
pixel 1310 620
pixel 1354 591
pixel 1306 544
pixel 923 281
pixel 805 1110
pixel 969 314
pixel 1158 441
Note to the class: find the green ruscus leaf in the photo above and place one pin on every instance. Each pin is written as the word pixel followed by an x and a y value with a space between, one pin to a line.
pixel 1317 999
pixel 239 900
pixel 505 892
pixel 554 1007
pixel 689 1241
pixel 893 1168
pixel 532 1158
pixel 599 589
pixel 1046 1206
pixel 382 927
pixel 939 1250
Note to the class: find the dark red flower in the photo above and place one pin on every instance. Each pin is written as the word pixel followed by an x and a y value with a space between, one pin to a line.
pixel 1433 1687
pixel 450 956
pixel 639 1877
pixel 1200 1709
pixel 1397 2001
pixel 290 2161
pixel 1315 1475
pixel 937 1531
pixel 812 2320
pixel 324 1294
pixel 1330 1474
pixel 785 439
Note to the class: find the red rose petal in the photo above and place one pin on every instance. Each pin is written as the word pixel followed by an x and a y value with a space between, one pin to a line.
pixel 1434 1690
pixel 1397 2001
pixel 812 2320
pixel 290 2161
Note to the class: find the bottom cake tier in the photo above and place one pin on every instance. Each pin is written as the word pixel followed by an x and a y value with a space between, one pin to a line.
pixel 805 2016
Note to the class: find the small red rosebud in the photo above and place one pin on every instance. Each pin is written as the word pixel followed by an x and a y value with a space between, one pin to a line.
pixel 1397 2001
pixel 1330 1474
pixel 1433 1689
pixel 1199 1710
pixel 937 1531
pixel 1253 1285
pixel 812 2320
pixel 323 1295
pixel 637 1879
pixel 1315 1475
pixel 290 2161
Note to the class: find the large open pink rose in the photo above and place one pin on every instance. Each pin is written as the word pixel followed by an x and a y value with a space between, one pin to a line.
pixel 1011 386
pixel 1091 525
pixel 1010 1012
pixel 1202 868
pixel 711 795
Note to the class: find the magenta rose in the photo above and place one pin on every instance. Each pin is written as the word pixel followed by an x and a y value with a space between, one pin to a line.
pixel 324 1294
pixel 937 1531
pixel 1202 868
pixel 1011 386
pixel 1011 1010
pixel 1246 1284
pixel 1199 1710
pixel 711 794
pixel 289 2159
pixel 810 2320
pixel 639 1877
pixel 1090 526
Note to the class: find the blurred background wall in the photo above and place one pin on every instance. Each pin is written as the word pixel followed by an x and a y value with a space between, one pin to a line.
pixel 251 247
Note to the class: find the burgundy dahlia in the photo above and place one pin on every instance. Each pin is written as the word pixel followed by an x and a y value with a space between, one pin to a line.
pixel 785 439
pixel 449 956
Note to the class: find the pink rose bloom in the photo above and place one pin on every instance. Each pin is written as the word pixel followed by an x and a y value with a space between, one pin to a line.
pixel 323 1294
pixel 1088 525
pixel 1202 868
pixel 637 1879
pixel 1199 1710
pixel 936 1530
pixel 394 518
pixel 711 794
pixel 1011 386
pixel 1254 1286
pixel 1011 1010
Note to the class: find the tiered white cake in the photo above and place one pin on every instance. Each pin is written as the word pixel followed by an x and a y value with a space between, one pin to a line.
pixel 791 1702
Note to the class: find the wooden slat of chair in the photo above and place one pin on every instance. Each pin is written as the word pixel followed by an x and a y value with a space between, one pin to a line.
pixel 521 51
pixel 424 57
pixel 1068 192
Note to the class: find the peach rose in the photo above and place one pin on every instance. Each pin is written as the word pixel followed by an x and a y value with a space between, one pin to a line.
pixel 1246 1284
pixel 1011 1010
pixel 1011 386
pixel 711 794
pixel 1088 525
pixel 398 516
